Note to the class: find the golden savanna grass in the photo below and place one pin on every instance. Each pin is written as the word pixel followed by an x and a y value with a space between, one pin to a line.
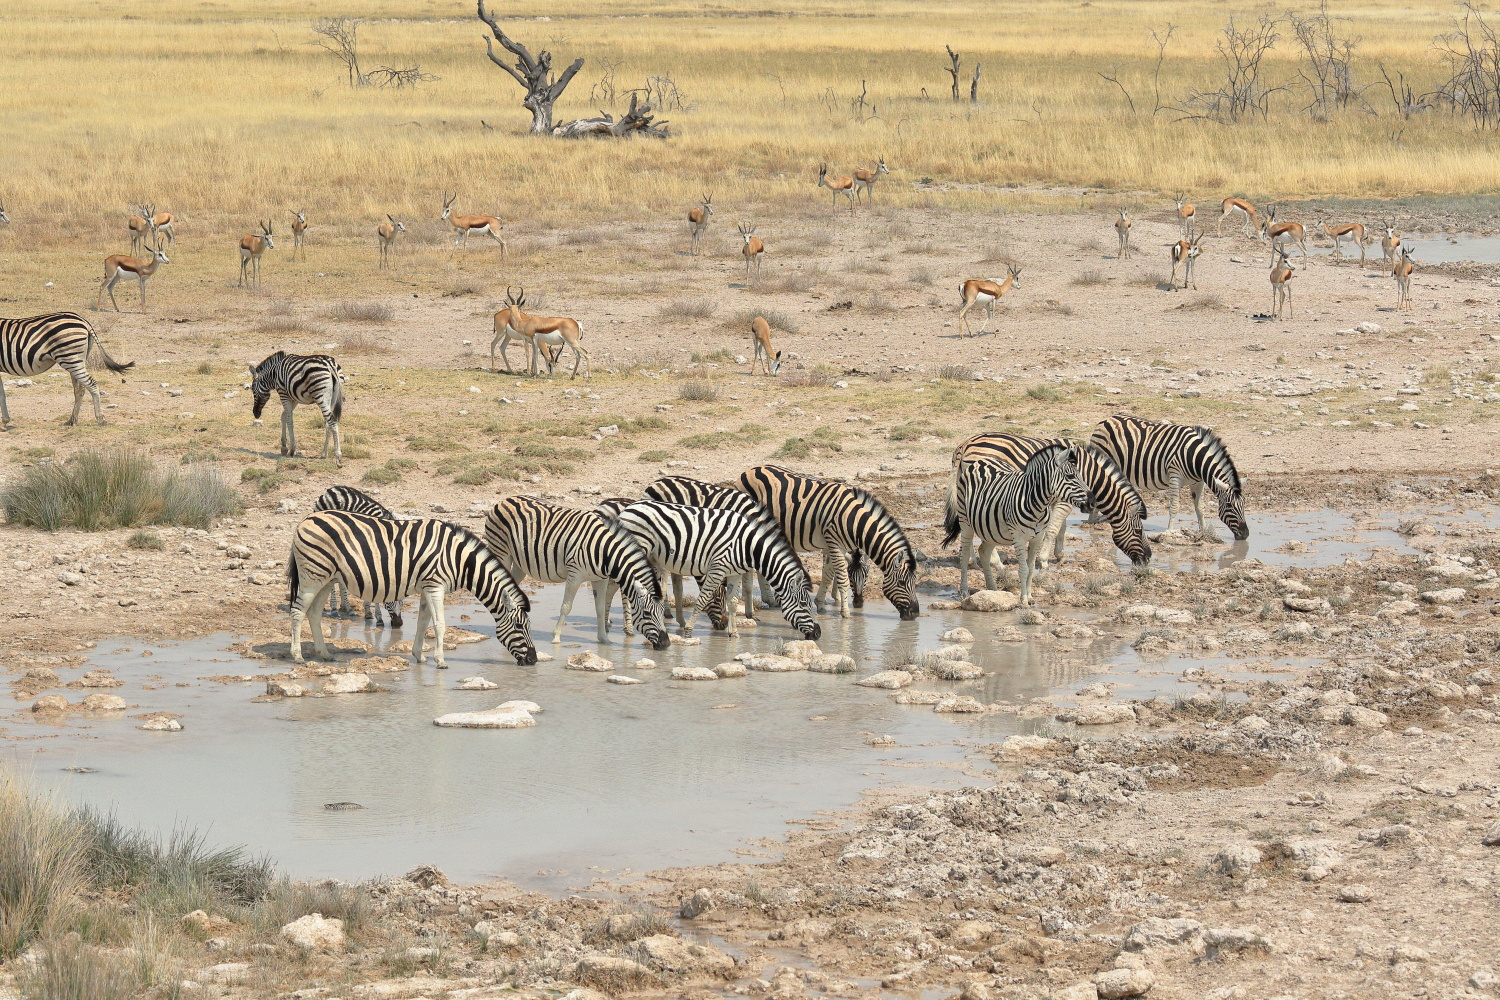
pixel 225 112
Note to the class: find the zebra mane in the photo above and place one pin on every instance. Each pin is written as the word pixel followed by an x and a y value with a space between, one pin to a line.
pixel 489 558
pixel 627 541
pixel 867 500
pixel 1114 474
pixel 1219 455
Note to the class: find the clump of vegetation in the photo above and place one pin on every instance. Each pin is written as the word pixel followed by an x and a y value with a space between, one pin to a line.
pixel 205 368
pixel 1092 276
pixel 699 308
pixel 390 472
pixel 351 311
pixel 418 442
pixel 535 449
pixel 958 373
pixel 821 439
pixel 144 540
pixel 1044 394
pixel 722 356
pixel 100 490
pixel 265 480
pixel 747 434
pixel 700 392
pixel 654 455
pixel 360 342
pixel 776 319
pixel 910 431
pixel 819 375
pixel 286 324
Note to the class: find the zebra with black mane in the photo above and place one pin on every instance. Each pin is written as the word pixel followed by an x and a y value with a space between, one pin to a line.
pixel 33 344
pixel 841 522
pixel 358 502
pixel 310 379
pixel 542 541
pixel 1111 495
pixel 1157 456
pixel 718 547
pixel 384 560
pixel 1002 505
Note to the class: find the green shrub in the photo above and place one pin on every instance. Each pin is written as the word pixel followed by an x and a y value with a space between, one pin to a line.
pixel 655 455
pixel 41 865
pixel 747 434
pixel 144 540
pixel 821 438
pixel 701 392
pixel 381 475
pixel 96 491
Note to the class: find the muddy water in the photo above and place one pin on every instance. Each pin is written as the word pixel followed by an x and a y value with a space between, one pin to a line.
pixel 1428 249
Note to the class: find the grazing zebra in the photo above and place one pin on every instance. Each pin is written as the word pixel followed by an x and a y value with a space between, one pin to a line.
pixel 537 540
pixel 1111 496
pixel 383 560
pixel 718 547
pixel 1163 456
pixel 1002 505
pixel 696 493
pixel 314 379
pixel 842 522
pixel 31 345
pixel 358 502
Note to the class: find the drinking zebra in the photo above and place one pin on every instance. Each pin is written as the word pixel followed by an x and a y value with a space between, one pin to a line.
pixel 696 493
pixel 33 344
pixel 1002 505
pixel 314 379
pixel 839 521
pixel 537 540
pixel 358 502
pixel 383 560
pixel 1164 456
pixel 718 547
pixel 1111 496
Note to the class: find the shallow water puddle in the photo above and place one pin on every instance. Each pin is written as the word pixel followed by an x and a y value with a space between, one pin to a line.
pixel 1426 248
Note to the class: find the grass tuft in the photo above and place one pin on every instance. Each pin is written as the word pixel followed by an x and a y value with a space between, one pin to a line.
pixel 97 491
pixel 352 311
pixel 1090 277
pixel 699 308
pixel 958 373
pixel 701 392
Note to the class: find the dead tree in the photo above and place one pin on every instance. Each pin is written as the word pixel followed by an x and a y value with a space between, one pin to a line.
pixel 974 84
pixel 340 35
pixel 1472 50
pixel 953 58
pixel 637 121
pixel 1328 75
pixel 532 72
pixel 1161 39
pixel 1242 94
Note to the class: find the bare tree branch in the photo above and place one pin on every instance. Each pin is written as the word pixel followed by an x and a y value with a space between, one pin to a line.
pixel 953 57
pixel 1113 76
pixel 532 72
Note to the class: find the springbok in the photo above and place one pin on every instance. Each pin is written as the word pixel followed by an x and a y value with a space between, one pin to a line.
pixel 864 180
pixel 1229 206
pixel 698 222
pixel 983 292
pixel 1122 230
pixel 139 226
pixel 541 332
pixel 1185 254
pixel 252 245
pixel 760 337
pixel 1281 283
pixel 1187 215
pixel 1283 232
pixel 386 233
pixel 1390 244
pixel 117 266
pixel 466 224
pixel 4 219
pixel 162 223
pixel 753 248
pixel 839 186
pixel 1402 273
pixel 1337 234
pixel 299 226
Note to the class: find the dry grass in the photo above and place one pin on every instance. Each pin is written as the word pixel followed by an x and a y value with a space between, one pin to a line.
pixel 351 311
pixel 958 373
pixel 701 392
pixel 1089 277
pixel 360 342
pixel 282 324
pixel 702 307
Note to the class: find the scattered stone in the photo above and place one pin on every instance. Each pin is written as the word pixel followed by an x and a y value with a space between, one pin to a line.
pixel 1045 856
pixel 199 922
pixel 349 684
pixel 97 679
pixel 1031 616
pixel 1155 932
pixel 1097 715
pixel 890 680
pixel 342 806
pixel 1078 991
pixel 227 972
pixel 591 662
pixel 1355 893
pixel 1153 613
pixel 990 601
pixel 957 670
pixel 1448 595
pixel 832 663
pixel 693 674
pixel 103 703
pixel 1073 630
pixel 914 697
pixel 1237 860
pixel 683 640
pixel 771 662
pixel 511 715
pixel 285 689
pixel 161 724
pixel 801 649
pixel 607 969
pixel 1491 836
pixel 1395 609
pixel 959 704
pixel 1306 605
pixel 1367 327
pixel 391 664
pixel 315 932
pixel 644 664
pixel 957 635
pixel 1218 939
pixel 1020 745
pixel 729 668
pixel 943 605
pixel 622 679
pixel 1408 953
pixel 805 929
pixel 476 684
pixel 882 741
pixel 696 905
pixel 1118 983
pixel 50 704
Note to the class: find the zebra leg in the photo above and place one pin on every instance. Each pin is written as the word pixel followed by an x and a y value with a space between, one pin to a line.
pixel 1197 491
pixel 841 580
pixel 315 621
pixel 331 430
pixel 677 604
pixel 712 584
pixel 965 553
pixel 1023 553
pixel 301 601
pixel 4 407
pixel 394 609
pixel 601 609
pixel 825 580
pixel 77 403
pixel 570 591
pixel 986 552
pixel 1174 485
pixel 288 429
pixel 374 612
pixel 731 585
pixel 439 626
pixel 423 612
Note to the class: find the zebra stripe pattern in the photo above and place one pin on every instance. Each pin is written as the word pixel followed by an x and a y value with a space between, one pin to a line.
pixel 540 541
pixel 311 379
pixel 719 546
pixel 384 560
pixel 1111 495
pixel 1164 456
pixel 34 344
pixel 358 502
pixel 1002 505
pixel 840 521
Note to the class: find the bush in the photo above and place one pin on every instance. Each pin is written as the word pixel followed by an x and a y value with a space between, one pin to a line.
pixel 285 901
pixel 958 373
pixel 144 540
pixel 821 438
pixel 382 475
pixel 204 368
pixel 96 491
pixel 72 970
pixel 41 865
pixel 350 311
pixel 703 392
pixel 818 376
pixel 1044 394
pixel 655 455
pixel 722 356
pixel 170 876
pixel 286 324
pixel 360 342
pixel 699 308
pixel 747 434
pixel 1090 277
pixel 909 432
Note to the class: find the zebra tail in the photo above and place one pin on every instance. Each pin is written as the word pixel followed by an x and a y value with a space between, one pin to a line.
pixel 950 522
pixel 294 579
pixel 338 400
pixel 109 362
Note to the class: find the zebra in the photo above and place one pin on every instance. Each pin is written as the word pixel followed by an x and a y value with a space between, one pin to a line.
pixel 553 544
pixel 384 560
pixel 31 345
pixel 1111 496
pixel 1002 505
pixel 358 502
pixel 836 519
pixel 1164 456
pixel 718 546
pixel 696 493
pixel 315 379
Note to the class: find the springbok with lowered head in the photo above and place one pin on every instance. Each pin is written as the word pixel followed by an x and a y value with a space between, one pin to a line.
pixel 1185 254
pixel 698 222
pixel 839 186
pixel 386 233
pixel 760 338
pixel 542 333
pixel 1122 230
pixel 252 245
pixel 983 292
pixel 466 224
pixel 1337 234
pixel 753 249
pixel 864 180
pixel 117 266
pixel 1238 206
pixel 1279 233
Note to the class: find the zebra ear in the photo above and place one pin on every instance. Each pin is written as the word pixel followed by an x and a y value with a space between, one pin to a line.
pixel 252 368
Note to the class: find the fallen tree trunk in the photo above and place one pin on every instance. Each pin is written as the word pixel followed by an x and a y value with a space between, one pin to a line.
pixel 638 120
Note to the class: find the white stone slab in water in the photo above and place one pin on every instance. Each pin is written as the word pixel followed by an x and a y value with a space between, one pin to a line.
pixel 493 719
pixel 801 649
pixel 693 674
pixel 591 662
pixel 771 663
pixel 888 679
pixel 730 668
pixel 831 663
pixel 476 684
pixel 622 679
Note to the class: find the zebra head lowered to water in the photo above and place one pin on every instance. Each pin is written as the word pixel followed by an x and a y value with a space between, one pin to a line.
pixel 383 560
pixel 314 379
pixel 1156 456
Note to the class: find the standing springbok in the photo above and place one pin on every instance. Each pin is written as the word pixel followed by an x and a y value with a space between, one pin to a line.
pixel 1283 232
pixel 698 222
pixel 1231 206
pixel 839 186
pixel 1187 216
pixel 139 225
pixel 252 245
pixel 753 249
pixel 1185 254
pixel 162 223
pixel 864 180
pixel 1281 284
pixel 1402 273
pixel 386 233
pixel 1122 230
pixel 541 332
pixel 1337 234
pixel 466 224
pixel 760 338
pixel 983 292
pixel 299 227
pixel 1390 244
pixel 117 266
